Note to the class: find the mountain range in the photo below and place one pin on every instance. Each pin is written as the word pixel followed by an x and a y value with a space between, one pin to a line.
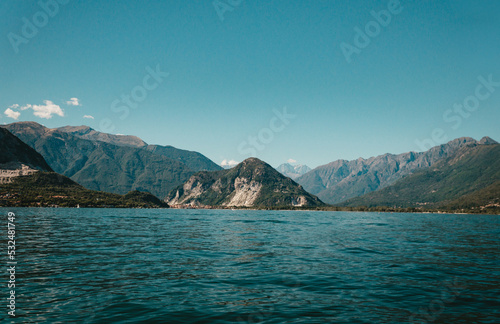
pixel 111 163
pixel 252 183
pixel 468 179
pixel 341 180
pixel 461 174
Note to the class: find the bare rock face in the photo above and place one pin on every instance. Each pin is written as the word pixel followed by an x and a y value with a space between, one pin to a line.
pixel 245 193
pixel 194 189
pixel 300 201
pixel 9 172
pixel 252 183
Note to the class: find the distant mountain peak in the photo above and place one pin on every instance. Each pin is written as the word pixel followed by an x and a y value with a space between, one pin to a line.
pixel 28 127
pixel 228 164
pixel 253 165
pixel 86 132
pixel 253 160
pixel 293 170
pixel 76 129
pixel 83 132
pixel 30 123
pixel 487 141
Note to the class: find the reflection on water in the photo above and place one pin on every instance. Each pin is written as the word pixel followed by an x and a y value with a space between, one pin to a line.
pixel 191 266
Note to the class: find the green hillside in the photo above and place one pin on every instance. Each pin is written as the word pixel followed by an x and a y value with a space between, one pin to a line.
pixel 49 189
pixel 467 179
pixel 487 199
pixel 14 152
pixel 111 163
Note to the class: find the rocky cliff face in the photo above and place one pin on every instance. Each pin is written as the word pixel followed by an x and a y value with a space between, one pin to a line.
pixel 252 183
pixel 7 175
pixel 341 180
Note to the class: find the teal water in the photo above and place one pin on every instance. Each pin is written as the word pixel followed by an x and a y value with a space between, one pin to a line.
pixel 213 266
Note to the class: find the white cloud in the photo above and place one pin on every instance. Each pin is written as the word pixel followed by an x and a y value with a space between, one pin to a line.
pixel 73 102
pixel 230 163
pixel 291 161
pixel 12 114
pixel 47 110
pixel 43 111
pixel 88 116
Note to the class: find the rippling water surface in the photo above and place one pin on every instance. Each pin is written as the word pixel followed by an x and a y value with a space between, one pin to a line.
pixel 213 266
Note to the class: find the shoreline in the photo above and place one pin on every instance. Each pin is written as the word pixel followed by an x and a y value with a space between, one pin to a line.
pixel 319 209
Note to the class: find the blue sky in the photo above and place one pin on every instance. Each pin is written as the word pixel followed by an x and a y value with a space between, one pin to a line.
pixel 232 79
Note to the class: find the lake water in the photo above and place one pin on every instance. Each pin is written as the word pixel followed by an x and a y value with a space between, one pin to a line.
pixel 223 266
